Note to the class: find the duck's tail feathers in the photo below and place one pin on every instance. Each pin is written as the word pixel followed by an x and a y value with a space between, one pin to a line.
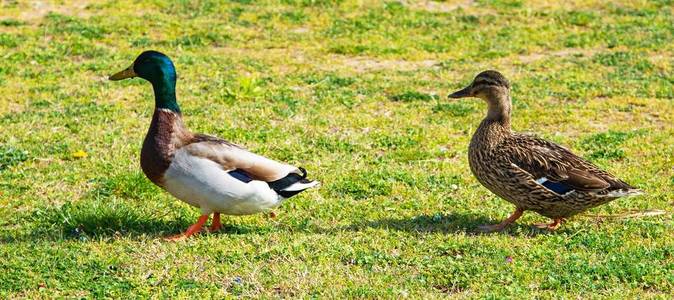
pixel 297 188
pixel 292 184
pixel 625 193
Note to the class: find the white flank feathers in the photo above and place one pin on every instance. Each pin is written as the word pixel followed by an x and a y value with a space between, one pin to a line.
pixel 203 183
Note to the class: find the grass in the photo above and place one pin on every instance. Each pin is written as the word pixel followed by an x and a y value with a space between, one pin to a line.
pixel 355 92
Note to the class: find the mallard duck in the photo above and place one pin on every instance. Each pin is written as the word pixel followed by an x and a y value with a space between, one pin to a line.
pixel 204 171
pixel 529 172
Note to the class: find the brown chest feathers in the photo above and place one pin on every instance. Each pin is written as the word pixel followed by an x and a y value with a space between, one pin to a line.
pixel 482 158
pixel 486 138
pixel 166 134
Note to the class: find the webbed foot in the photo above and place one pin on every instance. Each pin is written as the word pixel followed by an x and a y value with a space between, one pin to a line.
pixel 499 227
pixel 195 228
pixel 550 226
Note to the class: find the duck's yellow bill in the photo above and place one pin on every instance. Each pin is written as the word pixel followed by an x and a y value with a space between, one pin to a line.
pixel 126 73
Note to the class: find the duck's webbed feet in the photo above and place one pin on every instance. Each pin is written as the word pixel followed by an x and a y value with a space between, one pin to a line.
pixel 195 228
pixel 550 226
pixel 499 227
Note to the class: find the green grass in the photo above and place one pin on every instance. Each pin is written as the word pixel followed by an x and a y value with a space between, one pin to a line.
pixel 355 91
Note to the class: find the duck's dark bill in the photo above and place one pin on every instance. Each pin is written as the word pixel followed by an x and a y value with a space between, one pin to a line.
pixel 126 73
pixel 461 93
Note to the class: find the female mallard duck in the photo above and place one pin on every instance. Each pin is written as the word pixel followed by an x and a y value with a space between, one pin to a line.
pixel 205 171
pixel 530 172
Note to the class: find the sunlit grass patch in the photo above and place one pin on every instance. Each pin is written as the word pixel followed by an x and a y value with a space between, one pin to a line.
pixel 607 145
pixel 355 92
pixel 10 156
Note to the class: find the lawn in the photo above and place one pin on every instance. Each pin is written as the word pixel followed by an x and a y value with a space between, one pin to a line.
pixel 354 91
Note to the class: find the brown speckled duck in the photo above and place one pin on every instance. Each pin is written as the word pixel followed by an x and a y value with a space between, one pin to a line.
pixel 205 171
pixel 529 172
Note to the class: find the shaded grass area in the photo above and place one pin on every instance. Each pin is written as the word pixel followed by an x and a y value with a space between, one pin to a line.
pixel 354 91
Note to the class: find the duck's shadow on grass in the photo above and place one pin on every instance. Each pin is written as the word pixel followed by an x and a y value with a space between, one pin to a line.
pixel 448 223
pixel 93 223
pixel 108 221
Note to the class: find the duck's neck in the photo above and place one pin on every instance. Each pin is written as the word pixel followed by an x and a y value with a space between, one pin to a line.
pixel 499 110
pixel 165 94
pixel 495 126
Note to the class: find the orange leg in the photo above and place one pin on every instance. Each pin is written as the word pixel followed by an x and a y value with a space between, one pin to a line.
pixel 215 225
pixel 499 227
pixel 552 226
pixel 196 227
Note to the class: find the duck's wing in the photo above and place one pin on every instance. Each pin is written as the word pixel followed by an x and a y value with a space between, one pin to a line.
pixel 236 159
pixel 555 167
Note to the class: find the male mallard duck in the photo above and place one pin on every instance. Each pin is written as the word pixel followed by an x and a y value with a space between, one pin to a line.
pixel 205 171
pixel 532 173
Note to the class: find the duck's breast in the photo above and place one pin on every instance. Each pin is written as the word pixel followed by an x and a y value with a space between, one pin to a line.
pixel 203 183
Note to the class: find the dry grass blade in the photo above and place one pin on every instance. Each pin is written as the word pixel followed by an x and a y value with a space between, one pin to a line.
pixel 632 214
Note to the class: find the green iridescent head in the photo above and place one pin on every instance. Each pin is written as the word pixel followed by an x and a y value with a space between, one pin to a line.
pixel 158 69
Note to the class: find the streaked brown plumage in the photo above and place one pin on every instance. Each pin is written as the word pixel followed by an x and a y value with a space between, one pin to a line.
pixel 529 172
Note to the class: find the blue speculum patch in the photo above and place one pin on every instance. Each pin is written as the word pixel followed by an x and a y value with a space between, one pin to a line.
pixel 241 176
pixel 557 187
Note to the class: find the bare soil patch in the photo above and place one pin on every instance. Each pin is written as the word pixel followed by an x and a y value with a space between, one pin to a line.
pixel 362 64
pixel 438 6
pixel 38 9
